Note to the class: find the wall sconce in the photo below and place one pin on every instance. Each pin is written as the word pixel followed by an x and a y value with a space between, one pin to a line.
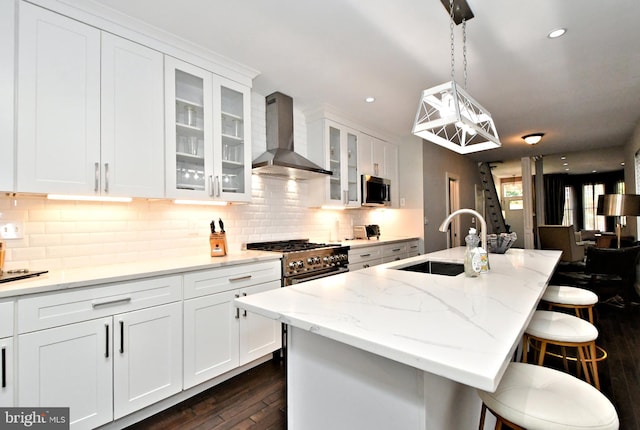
pixel 533 138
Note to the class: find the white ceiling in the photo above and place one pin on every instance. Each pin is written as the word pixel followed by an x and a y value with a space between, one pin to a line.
pixel 582 90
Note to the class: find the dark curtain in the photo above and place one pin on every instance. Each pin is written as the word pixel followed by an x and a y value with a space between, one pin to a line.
pixel 554 198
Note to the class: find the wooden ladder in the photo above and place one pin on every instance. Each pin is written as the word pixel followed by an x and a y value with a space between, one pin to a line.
pixel 493 209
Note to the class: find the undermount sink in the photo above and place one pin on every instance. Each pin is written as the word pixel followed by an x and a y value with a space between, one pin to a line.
pixel 435 268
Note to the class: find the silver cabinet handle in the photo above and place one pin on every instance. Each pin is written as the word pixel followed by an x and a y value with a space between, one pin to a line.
pixel 217 183
pixel 118 301
pixel 240 278
pixel 96 187
pixel 396 249
pixel 365 255
pixel 211 186
pixel 237 309
pixel 106 177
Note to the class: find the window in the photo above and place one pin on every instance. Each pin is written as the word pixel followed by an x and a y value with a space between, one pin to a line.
pixel 568 217
pixel 511 187
pixel 590 193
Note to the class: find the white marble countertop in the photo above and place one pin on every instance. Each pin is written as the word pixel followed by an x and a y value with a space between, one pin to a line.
pixel 361 243
pixel 464 329
pixel 74 278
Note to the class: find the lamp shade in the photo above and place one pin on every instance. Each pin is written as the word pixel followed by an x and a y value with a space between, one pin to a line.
pixel 450 117
pixel 619 205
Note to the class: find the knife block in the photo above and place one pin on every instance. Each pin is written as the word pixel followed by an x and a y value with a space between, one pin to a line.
pixel 218 242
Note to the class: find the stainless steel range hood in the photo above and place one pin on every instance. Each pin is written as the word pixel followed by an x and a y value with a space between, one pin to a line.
pixel 280 159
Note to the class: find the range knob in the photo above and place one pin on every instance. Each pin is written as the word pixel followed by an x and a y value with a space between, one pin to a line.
pixel 326 260
pixel 316 260
pixel 310 260
pixel 292 265
pixel 299 264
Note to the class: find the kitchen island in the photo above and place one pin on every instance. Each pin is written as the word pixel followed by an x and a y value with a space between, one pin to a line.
pixel 384 348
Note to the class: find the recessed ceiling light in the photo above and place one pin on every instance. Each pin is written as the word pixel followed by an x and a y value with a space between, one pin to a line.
pixel 566 169
pixel 370 99
pixel 563 158
pixel 557 33
pixel 622 164
pixel 565 164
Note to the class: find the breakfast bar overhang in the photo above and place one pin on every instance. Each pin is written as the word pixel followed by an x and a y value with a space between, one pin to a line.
pixel 385 348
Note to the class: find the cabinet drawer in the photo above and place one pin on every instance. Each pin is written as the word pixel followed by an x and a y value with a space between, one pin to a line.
pixel 358 255
pixel 6 319
pixel 55 309
pixel 413 248
pixel 213 281
pixel 364 264
pixel 394 249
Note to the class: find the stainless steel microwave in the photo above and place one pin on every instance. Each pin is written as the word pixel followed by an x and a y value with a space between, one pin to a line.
pixel 375 191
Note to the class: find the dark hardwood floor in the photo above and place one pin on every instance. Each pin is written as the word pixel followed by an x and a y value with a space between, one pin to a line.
pixel 256 399
pixel 252 400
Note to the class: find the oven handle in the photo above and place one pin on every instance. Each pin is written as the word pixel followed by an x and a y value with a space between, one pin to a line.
pixel 299 280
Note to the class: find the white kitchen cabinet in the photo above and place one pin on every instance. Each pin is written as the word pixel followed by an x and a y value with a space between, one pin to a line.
pixel 7 381
pixel 132 124
pixel 69 366
pixel 7 91
pixel 337 147
pixel 208 146
pixel 104 352
pixel 219 337
pixel 379 158
pixel 259 336
pixel 363 257
pixel 382 252
pixel 90 110
pixel 58 103
pixel 6 376
pixel 147 364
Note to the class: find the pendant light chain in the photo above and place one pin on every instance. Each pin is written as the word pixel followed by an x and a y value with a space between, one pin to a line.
pixel 453 58
pixel 464 51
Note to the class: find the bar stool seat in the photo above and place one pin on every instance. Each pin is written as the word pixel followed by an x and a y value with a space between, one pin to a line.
pixel 564 296
pixel 539 398
pixel 564 330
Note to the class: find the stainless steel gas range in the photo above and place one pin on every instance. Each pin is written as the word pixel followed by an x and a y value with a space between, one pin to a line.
pixel 303 261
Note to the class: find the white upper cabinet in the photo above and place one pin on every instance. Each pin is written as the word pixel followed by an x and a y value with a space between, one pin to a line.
pixel 132 144
pixel 379 158
pixel 59 103
pixel 339 153
pixel 7 41
pixel 90 119
pixel 207 135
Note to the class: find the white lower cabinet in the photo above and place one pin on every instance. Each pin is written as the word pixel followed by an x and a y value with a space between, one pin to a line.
pixel 125 358
pixel 69 366
pixel 372 255
pixel 219 337
pixel 6 377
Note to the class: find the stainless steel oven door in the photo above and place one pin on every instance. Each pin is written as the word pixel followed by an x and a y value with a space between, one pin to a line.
pixel 298 279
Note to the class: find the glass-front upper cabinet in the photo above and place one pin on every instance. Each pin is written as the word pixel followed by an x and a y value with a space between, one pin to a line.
pixel 341 157
pixel 233 140
pixel 207 135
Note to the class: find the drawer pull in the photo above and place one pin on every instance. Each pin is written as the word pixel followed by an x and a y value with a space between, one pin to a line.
pixel 396 249
pixel 110 302
pixel 237 309
pixel 121 337
pixel 365 255
pixel 106 343
pixel 240 278
pixel 4 367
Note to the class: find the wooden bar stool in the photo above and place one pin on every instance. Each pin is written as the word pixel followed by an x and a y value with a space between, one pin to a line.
pixel 564 330
pixel 538 398
pixel 563 296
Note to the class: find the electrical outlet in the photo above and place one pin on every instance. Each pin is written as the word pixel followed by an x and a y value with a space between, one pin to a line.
pixel 11 230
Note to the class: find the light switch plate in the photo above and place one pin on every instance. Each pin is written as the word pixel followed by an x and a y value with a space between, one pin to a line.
pixel 11 230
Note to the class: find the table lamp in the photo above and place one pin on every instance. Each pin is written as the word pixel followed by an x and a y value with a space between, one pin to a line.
pixel 619 205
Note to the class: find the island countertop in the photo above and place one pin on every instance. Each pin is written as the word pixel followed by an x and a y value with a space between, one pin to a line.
pixel 464 329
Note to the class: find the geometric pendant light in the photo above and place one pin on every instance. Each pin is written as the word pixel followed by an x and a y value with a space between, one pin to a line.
pixel 448 116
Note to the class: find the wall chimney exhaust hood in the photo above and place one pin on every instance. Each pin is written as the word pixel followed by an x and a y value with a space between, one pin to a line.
pixel 280 159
